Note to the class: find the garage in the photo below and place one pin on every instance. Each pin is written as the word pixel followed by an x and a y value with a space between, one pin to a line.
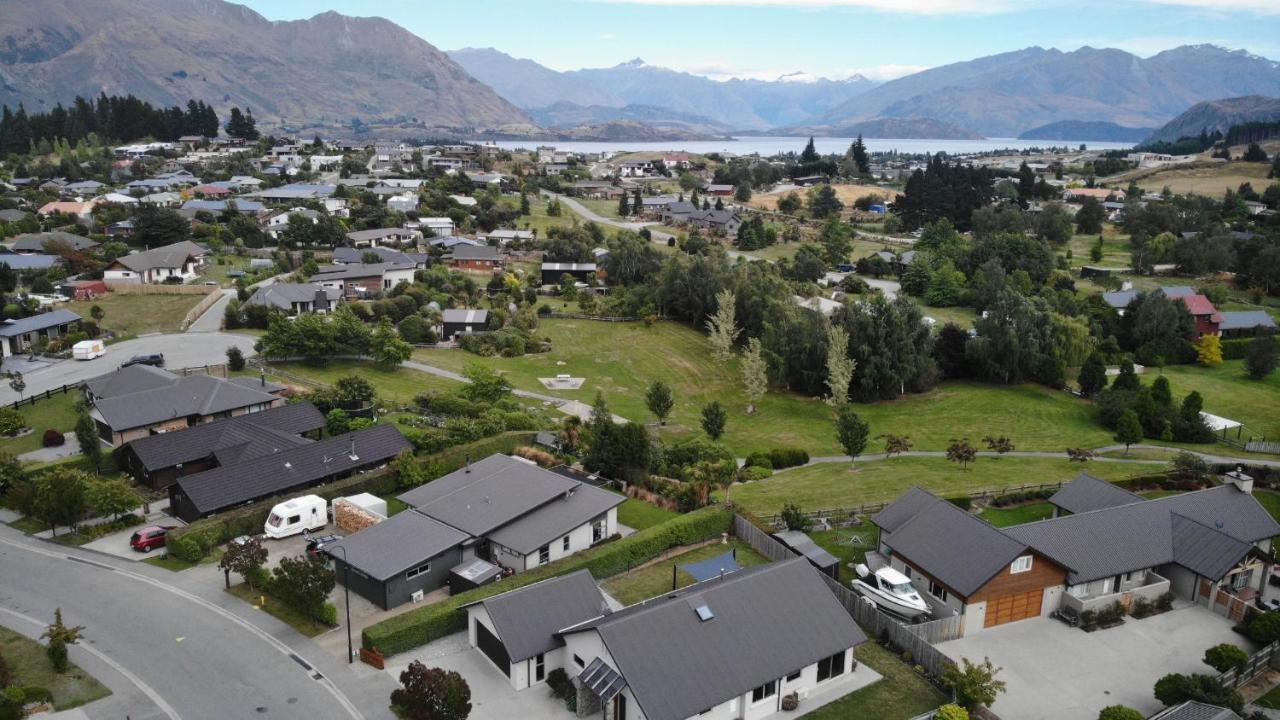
pixel 491 646
pixel 1010 608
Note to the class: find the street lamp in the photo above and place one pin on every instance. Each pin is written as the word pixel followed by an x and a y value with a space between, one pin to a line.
pixel 17 384
pixel 346 591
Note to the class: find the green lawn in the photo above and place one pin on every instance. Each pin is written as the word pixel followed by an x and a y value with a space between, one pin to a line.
pixel 279 610
pixel 962 316
pixel 638 514
pixel 1115 249
pixel 1228 391
pixel 132 315
pixel 56 412
pixel 850 545
pixel 832 485
pixel 1269 500
pixel 538 219
pixel 215 272
pixel 632 587
pixel 399 385
pixel 174 564
pixel 603 208
pixel 1031 512
pixel 900 695
pixel 622 359
pixel 1271 700
pixel 30 666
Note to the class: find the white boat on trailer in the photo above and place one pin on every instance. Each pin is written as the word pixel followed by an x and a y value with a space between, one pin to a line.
pixel 891 591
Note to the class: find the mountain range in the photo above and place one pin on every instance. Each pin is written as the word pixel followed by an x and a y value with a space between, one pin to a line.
pixel 1219 116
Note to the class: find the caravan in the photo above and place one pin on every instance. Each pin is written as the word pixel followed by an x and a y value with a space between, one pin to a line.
pixel 309 512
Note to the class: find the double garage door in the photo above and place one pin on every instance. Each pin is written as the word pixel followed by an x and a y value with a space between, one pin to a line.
pixel 1018 606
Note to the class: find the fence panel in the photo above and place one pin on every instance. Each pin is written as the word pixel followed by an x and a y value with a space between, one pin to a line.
pixel 941 630
pixel 1258 663
pixel 1263 446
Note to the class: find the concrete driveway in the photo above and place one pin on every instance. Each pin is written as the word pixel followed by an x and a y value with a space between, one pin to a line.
pixel 180 350
pixel 1055 672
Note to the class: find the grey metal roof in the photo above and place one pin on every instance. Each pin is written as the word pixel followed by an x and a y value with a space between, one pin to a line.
pixel 348 255
pixel 378 233
pixel 1120 299
pixel 1234 320
pixel 556 518
pixel 769 620
pixel 34 242
pixel 465 315
pixel 289 469
pixel 956 548
pixel 1177 291
pixel 192 395
pixel 258 383
pixel 1086 492
pixel 488 494
pixel 43 321
pixel 528 619
pixel 1192 710
pixel 253 435
pixel 403 541
pixel 284 295
pixel 569 267
pixel 127 380
pixel 475 252
pixel 803 544
pixel 168 256
pixel 602 680
pixel 904 508
pixel 357 271
pixel 34 261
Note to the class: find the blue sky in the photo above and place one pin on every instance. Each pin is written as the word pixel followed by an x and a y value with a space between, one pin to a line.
pixel 832 38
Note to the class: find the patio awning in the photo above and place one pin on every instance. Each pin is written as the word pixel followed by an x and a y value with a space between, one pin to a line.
pixel 713 567
pixel 603 680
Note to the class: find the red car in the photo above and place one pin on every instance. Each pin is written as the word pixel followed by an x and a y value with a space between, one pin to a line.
pixel 149 537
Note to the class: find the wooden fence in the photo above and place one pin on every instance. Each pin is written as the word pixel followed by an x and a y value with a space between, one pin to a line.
pixel 940 630
pixel 1263 446
pixel 871 619
pixel 194 314
pixel 124 288
pixel 580 316
pixel 1259 662
pixel 32 399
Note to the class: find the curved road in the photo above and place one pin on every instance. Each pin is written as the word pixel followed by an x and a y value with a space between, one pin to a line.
pixel 187 657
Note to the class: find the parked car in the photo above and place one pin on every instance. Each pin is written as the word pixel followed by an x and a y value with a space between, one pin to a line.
pixel 317 543
pixel 150 537
pixel 1270 604
pixel 154 360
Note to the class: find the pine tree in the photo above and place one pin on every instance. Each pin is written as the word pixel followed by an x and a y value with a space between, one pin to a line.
pixel 624 208
pixel 858 152
pixel 810 153
pixel 1093 375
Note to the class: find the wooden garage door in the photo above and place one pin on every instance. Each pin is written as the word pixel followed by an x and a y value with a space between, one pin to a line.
pixel 1018 606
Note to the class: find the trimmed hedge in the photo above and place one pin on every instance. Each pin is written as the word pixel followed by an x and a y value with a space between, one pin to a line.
pixel 198 539
pixel 419 627
pixel 1236 348
pixel 785 457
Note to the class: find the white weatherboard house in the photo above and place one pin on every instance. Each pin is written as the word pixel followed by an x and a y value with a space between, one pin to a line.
pixel 178 262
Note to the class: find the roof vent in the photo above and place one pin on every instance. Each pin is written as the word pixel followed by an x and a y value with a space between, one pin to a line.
pixel 288 465
pixel 352 454
pixel 704 613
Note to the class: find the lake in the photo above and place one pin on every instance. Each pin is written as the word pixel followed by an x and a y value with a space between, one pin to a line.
pixel 766 146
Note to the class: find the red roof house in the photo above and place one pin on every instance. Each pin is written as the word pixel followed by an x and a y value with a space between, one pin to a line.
pixel 1207 316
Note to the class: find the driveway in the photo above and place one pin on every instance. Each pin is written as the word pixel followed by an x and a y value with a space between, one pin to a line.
pixel 180 350
pixel 1055 672
pixel 211 319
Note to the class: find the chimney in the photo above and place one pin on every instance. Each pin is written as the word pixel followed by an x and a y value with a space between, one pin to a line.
pixel 1242 482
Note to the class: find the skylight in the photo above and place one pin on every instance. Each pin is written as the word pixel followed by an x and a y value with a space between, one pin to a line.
pixel 704 613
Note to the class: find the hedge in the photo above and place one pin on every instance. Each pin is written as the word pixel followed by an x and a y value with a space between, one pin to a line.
pixel 785 457
pixel 198 539
pixel 1235 348
pixel 422 625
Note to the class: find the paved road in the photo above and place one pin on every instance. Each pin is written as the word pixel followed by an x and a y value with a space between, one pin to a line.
pixel 182 654
pixel 180 350
pixel 211 320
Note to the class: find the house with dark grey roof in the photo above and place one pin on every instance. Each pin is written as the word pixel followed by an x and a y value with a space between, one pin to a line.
pixel 518 631
pixel 356 256
pixel 375 237
pixel 730 647
pixel 1210 546
pixel 133 402
pixel 401 556
pixel 17 336
pixel 463 321
pixel 475 257
pixel 178 262
pixel 1192 710
pixel 553 272
pixel 1245 323
pixel 358 281
pixel 159 460
pixel 285 472
pixel 37 242
pixel 295 298
pixel 512 514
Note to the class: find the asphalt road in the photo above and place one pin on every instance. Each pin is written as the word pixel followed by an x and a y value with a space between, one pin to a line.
pixel 211 320
pixel 180 350
pixel 184 656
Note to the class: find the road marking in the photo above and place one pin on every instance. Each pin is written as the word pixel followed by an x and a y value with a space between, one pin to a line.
pixel 150 692
pixel 280 646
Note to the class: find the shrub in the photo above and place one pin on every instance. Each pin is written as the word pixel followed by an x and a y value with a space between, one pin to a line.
pixel 951 712
pixel 753 473
pixel 963 502
pixel 1176 688
pixel 53 438
pixel 759 459
pixel 1264 628
pixel 1088 619
pixel 786 457
pixel 11 421
pixel 1120 712
pixel 790 702
pixel 1225 657
pixel 1164 603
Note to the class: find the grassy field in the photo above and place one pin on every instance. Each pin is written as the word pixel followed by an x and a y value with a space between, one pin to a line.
pixel 1228 391
pixel 1031 512
pixel 132 315
pixel 632 587
pixel 398 385
pixel 538 219
pixel 1115 248
pixel 603 208
pixel 846 193
pixel 218 273
pixel 30 666
pixel 57 412
pixel 1211 180
pixel 622 359
pixel 850 545
pixel 638 514
pixel 831 485
pixel 900 695
pixel 962 316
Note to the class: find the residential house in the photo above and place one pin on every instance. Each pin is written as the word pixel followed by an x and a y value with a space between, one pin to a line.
pixel 719 190
pixel 276 223
pixel 157 461
pixel 383 236
pixel 35 243
pixel 13 216
pixel 730 647
pixel 817 303
pixel 504 510
pixel 637 168
pixel 365 279
pixel 436 226
pixel 720 222
pixel 449 242
pixel 1099 194
pixel 161 199
pixel 249 207
pixel 1210 546
pixel 288 471
pixel 296 298
pixel 81 211
pixel 29 262
pixel 676 212
pixel 1206 315
pixel 462 321
pixel 598 190
pixel 1193 710
pixel 179 262
pixel 402 203
pixel 297 191
pixel 552 273
pixel 1245 323
pixel 677 161
pixel 504 237
pixel 488 179
pixel 19 336
pixel 139 400
pixel 119 199
pixel 83 187
pixel 475 257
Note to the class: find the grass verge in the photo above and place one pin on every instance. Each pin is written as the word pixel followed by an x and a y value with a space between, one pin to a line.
pixel 278 610
pixel 30 666
pixel 638 514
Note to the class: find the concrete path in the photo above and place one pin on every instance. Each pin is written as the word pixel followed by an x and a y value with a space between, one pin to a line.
pixel 211 320
pixel 50 454
pixel 568 407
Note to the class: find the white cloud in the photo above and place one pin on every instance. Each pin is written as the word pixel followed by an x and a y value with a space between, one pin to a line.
pixel 716 71
pixel 1265 7
pixel 908 7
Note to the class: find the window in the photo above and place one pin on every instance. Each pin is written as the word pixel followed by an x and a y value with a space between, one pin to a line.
pixel 564 544
pixel 1020 565
pixel 830 667
pixel 768 689
pixel 420 570
pixel 793 676
pixel 597 531
pixel 544 554
pixel 937 591
pixel 295 519
pixel 906 571
pixel 1239 581
pixel 578 661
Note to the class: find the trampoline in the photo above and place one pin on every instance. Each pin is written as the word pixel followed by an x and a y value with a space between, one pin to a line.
pixel 713 567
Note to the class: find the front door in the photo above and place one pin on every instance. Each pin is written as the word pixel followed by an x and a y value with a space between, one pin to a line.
pixel 619 707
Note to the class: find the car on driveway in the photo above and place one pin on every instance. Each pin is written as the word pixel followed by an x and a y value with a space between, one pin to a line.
pixel 316 543
pixel 150 537
pixel 154 360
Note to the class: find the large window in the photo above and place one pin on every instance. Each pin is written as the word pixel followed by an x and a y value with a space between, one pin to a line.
pixel 937 591
pixel 420 570
pixel 1021 564
pixel 768 689
pixel 830 667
